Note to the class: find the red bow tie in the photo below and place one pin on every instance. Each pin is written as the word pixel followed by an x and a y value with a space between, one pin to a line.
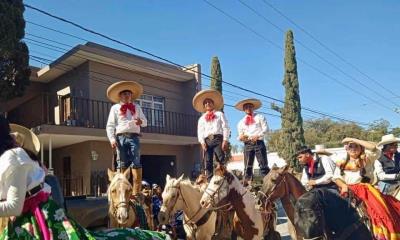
pixel 127 106
pixel 249 120
pixel 210 116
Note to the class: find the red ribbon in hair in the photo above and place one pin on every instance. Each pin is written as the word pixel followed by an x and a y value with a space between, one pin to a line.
pixel 127 106
pixel 210 116
pixel 249 120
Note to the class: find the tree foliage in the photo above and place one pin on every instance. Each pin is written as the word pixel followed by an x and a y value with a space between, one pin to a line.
pixel 14 55
pixel 216 75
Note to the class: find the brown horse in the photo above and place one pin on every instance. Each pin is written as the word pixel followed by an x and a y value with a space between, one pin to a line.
pixel 280 184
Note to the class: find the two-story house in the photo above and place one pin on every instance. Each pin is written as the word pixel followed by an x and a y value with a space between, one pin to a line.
pixel 66 105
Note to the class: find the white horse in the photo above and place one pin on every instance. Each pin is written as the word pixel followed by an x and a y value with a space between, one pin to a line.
pixel 223 189
pixel 180 194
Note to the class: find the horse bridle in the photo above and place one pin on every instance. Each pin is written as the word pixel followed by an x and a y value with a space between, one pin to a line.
pixel 125 204
pixel 268 196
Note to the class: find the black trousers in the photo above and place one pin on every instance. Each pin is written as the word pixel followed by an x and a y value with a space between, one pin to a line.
pixel 252 150
pixel 214 147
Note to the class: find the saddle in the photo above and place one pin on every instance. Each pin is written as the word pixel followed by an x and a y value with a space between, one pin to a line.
pixel 361 209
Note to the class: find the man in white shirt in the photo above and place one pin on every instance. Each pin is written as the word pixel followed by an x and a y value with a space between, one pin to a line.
pixel 212 129
pixel 318 168
pixel 123 128
pixel 387 166
pixel 252 129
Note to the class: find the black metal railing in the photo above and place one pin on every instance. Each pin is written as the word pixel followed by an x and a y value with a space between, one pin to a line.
pixel 83 112
pixel 98 183
pixel 72 185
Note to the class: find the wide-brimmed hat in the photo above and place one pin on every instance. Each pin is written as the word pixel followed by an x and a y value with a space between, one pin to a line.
pixel 114 90
pixel 25 138
pixel 198 99
pixel 387 139
pixel 320 149
pixel 255 102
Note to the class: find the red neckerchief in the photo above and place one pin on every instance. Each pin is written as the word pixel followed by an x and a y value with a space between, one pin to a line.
pixel 389 155
pixel 249 119
pixel 210 116
pixel 124 108
pixel 311 166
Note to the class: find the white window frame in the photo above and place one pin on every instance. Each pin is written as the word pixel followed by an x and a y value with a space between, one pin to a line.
pixel 153 102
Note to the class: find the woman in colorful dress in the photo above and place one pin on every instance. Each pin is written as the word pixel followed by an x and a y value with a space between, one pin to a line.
pixel 354 173
pixel 25 198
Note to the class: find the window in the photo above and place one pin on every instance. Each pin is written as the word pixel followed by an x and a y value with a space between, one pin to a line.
pixel 153 109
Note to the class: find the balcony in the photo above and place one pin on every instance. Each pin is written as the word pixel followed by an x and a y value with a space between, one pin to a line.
pixel 81 112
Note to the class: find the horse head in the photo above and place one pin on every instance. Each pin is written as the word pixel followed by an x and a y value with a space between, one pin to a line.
pixel 218 188
pixel 171 199
pixel 119 193
pixel 274 183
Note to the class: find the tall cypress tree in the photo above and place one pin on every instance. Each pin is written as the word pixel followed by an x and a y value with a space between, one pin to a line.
pixel 216 74
pixel 14 55
pixel 292 133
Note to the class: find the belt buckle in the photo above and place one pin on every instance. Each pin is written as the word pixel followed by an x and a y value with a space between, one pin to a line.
pixel 211 137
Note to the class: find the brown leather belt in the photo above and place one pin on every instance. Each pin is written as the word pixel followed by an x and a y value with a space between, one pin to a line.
pixel 129 135
pixel 212 137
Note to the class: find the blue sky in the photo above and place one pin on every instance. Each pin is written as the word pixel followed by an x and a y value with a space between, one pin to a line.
pixel 364 33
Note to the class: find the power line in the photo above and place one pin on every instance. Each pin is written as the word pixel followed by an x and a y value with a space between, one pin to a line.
pixel 327 48
pixel 175 64
pixel 301 60
pixel 319 55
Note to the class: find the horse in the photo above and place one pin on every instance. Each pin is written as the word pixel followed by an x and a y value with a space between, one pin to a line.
pixel 226 190
pixel 323 214
pixel 147 205
pixel 180 194
pixel 121 212
pixel 280 184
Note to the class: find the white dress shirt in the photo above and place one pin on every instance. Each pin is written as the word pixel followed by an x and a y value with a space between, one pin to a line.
pixel 258 129
pixel 118 123
pixel 329 167
pixel 381 174
pixel 219 125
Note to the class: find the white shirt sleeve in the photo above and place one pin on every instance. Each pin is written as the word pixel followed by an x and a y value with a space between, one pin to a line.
pixel 329 167
pixel 142 117
pixel 111 125
pixel 240 129
pixel 16 193
pixel 304 178
pixel 337 175
pixel 200 130
pixel 381 174
pixel 226 131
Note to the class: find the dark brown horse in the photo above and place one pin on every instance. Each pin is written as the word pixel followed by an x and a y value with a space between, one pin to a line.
pixel 280 184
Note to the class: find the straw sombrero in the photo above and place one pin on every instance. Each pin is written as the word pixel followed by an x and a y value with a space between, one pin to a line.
pixel 214 95
pixel 387 139
pixel 256 103
pixel 25 138
pixel 114 90
pixel 320 149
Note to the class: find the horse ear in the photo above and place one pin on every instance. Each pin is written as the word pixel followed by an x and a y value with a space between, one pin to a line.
pixel 168 177
pixel 127 173
pixel 110 174
pixel 180 178
pixel 283 169
pixel 275 167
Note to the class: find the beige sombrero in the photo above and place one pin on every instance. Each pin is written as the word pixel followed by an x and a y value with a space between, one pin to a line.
pixel 214 95
pixel 320 149
pixel 114 90
pixel 25 138
pixel 387 139
pixel 256 103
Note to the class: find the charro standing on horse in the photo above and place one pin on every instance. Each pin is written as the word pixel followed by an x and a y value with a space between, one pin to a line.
pixel 123 128
pixel 387 166
pixel 318 168
pixel 213 129
pixel 252 129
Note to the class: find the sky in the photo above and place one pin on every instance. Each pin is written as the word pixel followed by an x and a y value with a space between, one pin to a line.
pixel 356 79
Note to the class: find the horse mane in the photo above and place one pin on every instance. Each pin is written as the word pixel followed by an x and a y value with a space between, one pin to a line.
pixel 295 181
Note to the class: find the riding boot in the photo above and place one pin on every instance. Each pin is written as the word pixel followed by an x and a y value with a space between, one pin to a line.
pixel 137 181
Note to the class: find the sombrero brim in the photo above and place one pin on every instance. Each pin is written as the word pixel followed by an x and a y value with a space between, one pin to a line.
pixel 322 152
pixel 256 103
pixel 381 143
pixel 114 90
pixel 214 95
pixel 28 141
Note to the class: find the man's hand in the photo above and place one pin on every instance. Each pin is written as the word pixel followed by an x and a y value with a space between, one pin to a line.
pixel 254 138
pixel 312 183
pixel 113 144
pixel 204 146
pixel 138 121
pixel 243 138
pixel 225 145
